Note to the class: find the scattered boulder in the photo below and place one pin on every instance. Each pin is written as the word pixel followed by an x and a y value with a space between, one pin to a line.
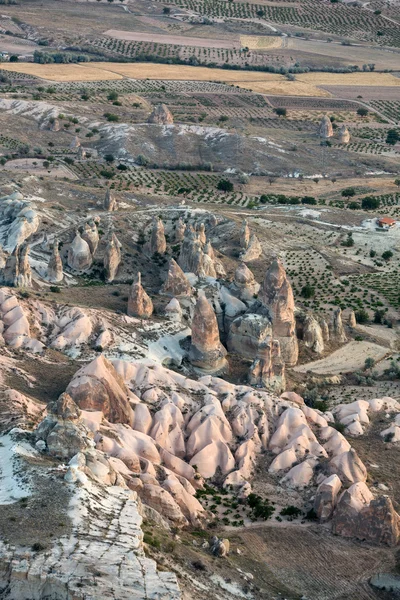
pixel 161 115
pixel 139 303
pixel 206 351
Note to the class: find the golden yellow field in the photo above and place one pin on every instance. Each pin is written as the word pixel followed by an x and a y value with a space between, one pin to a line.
pixel 265 83
pixel 260 42
pixel 376 79
pixel 61 72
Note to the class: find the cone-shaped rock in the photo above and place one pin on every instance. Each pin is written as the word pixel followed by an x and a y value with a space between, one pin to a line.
pixel 344 135
pixel 25 273
pixel 268 370
pixel 157 243
pixel 75 143
pixel 312 334
pixel 352 319
pixel 191 255
pixel 217 264
pixel 55 266
pixel 176 283
pixel 244 235
pixel 244 285
pixel 325 127
pixel 253 250
pixel 55 125
pixel 336 328
pixel 161 115
pixel 202 233
pixel 91 236
pixel 79 255
pixel 112 258
pixel 139 303
pixel 180 228
pixel 110 203
pixel 206 351
pixel 11 269
pixel 277 295
pixel 173 310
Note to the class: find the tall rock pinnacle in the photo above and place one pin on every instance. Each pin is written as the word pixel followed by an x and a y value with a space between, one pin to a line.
pixel 206 351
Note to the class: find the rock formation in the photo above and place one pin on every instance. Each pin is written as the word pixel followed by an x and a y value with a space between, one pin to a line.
pixel 139 303
pixel 325 128
pixel 326 497
pixel 244 235
pixel 312 334
pixel 362 516
pixel 253 250
pixel 110 202
pixel 75 144
pixel 206 351
pixel 173 310
pixel 344 135
pixel 17 270
pixel 176 283
pixel 97 386
pixel 112 258
pixel 55 125
pixel 79 255
pixel 157 243
pixel 180 229
pixel 352 319
pixel 336 329
pixel 268 369
pixel 91 236
pixel 55 267
pixel 161 115
pixel 191 254
pixel 276 294
pixel 248 332
pixel 218 266
pixel 244 285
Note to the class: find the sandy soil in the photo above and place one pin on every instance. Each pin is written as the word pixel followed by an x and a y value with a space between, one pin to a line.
pixel 347 359
pixel 171 39
pixel 25 165
pixel 353 79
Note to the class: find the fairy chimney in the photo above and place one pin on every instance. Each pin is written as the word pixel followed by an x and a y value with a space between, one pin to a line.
pixel 139 303
pixel 206 351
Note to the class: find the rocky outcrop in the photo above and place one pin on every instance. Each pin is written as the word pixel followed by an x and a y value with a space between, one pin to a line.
pixel 63 430
pixel 157 243
pixel 176 283
pixel 191 255
pixel 244 238
pixel 139 303
pixel 55 267
pixel 17 270
pixel 173 310
pixel 91 236
pixel 336 329
pixel 253 250
pixel 75 144
pixel 325 128
pixel 161 115
pixel 344 135
pixel 201 232
pixel 352 319
pixel 312 334
pixel 110 202
pixel 248 332
pixel 180 229
pixel 206 351
pixel 276 294
pixel 97 386
pixel 326 497
pixel 244 285
pixel 268 370
pixel 218 267
pixel 112 258
pixel 79 255
pixel 360 515
pixel 55 125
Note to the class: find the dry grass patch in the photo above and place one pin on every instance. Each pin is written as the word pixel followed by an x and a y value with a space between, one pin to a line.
pixel 367 79
pixel 261 42
pixel 62 72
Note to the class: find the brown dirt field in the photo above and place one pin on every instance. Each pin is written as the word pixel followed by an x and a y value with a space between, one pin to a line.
pixel 172 39
pixel 313 563
pixel 353 79
pixel 260 42
pixel 367 92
